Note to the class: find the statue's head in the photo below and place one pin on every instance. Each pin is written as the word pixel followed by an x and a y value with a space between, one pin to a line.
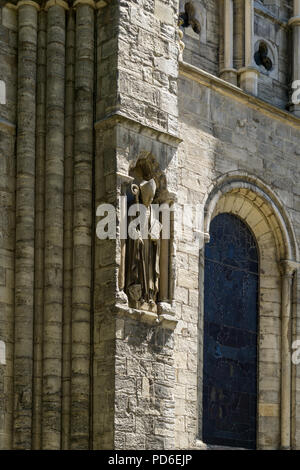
pixel 148 190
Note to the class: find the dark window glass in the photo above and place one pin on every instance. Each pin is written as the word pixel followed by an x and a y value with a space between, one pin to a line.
pixel 230 334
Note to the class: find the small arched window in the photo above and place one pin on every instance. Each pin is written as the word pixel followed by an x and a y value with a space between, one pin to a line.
pixel 262 56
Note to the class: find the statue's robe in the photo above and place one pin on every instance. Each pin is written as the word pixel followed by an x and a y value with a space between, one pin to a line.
pixel 142 261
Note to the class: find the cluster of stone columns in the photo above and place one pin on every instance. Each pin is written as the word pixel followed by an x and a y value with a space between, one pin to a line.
pixel 248 74
pixel 50 386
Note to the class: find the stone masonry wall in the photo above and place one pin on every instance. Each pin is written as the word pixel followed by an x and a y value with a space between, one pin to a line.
pixel 272 27
pixel 133 375
pixel 147 62
pixel 203 50
pixel 89 91
pixel 223 133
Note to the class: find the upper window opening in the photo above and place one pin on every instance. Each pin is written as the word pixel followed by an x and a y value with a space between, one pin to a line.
pixel 261 57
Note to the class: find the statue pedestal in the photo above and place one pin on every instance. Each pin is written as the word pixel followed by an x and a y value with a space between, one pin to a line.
pixel 164 318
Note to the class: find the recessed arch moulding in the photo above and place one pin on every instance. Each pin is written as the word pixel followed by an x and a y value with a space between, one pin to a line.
pixel 249 198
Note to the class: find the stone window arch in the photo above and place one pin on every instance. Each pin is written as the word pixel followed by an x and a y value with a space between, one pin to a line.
pixel 255 204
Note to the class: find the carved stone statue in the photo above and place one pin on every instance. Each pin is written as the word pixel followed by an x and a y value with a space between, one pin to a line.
pixel 143 252
pixel 188 18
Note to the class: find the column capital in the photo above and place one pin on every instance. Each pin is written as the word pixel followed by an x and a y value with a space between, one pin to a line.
pixel 52 3
pixel 206 237
pixel 295 21
pixel 23 2
pixel 101 4
pixel 288 267
pixel 91 3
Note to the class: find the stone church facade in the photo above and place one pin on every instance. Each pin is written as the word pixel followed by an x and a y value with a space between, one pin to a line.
pixel 194 101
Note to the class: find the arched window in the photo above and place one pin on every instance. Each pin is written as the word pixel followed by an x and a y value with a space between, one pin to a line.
pixel 230 334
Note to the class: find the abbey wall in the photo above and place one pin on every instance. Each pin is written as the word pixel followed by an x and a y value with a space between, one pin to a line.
pixel 96 99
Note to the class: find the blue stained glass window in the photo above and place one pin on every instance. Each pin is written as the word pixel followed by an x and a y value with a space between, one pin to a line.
pixel 230 334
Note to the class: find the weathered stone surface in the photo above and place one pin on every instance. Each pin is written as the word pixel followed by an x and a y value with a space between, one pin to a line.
pixel 91 89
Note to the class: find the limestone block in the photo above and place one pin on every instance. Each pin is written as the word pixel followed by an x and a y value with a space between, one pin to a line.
pixel 163 12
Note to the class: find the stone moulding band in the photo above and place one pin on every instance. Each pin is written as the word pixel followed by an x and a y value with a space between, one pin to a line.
pixel 138 127
pixel 228 89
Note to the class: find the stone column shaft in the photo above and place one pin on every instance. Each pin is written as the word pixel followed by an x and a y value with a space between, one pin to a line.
pixel 228 34
pixel 228 73
pixel 164 271
pixel 288 269
pixel 165 251
pixel 296 8
pixel 68 230
pixel 25 225
pixel 123 181
pixel 54 229
pixel 82 226
pixel 249 32
pixel 249 74
pixel 39 231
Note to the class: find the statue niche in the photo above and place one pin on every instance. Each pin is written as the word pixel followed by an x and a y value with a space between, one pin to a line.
pixel 142 268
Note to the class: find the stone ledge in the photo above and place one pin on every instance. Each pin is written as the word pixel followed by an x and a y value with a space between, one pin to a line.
pixel 226 88
pixel 138 127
